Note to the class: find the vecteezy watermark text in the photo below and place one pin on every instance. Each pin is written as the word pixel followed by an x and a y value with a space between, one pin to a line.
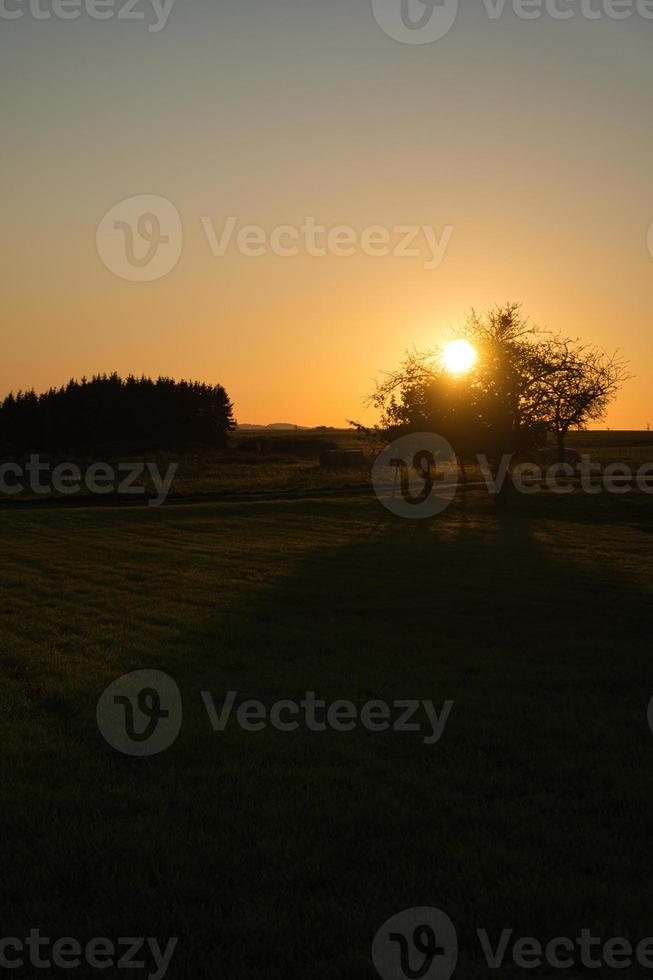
pixel 123 10
pixel 140 714
pixel 562 478
pixel 417 476
pixel 100 953
pixel 426 21
pixel 41 477
pixel 569 9
pixel 316 715
pixel 140 239
pixel 422 942
pixel 340 241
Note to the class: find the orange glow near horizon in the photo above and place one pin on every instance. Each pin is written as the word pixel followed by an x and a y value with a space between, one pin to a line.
pixel 285 113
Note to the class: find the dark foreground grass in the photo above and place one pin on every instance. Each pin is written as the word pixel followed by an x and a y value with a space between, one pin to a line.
pixel 279 855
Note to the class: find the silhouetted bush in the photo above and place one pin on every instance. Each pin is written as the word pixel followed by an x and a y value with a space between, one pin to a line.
pixel 109 412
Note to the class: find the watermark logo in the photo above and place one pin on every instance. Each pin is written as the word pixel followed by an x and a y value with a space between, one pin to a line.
pixel 416 476
pixel 317 715
pixel 141 238
pixel 425 21
pixel 416 944
pixel 41 477
pixel 415 21
pixel 318 240
pixel 94 9
pixel 422 943
pixel 591 10
pixel 100 953
pixel 140 713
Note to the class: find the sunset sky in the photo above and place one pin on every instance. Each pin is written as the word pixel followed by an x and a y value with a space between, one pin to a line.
pixel 530 139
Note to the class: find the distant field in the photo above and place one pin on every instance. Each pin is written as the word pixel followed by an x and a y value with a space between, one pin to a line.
pixel 608 438
pixel 278 855
pixel 282 462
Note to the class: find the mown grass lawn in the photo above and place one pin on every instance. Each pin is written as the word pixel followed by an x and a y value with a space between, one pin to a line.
pixel 280 855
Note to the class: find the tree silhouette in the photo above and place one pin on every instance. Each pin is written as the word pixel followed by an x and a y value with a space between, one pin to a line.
pixel 526 383
pixel 109 412
pixel 581 384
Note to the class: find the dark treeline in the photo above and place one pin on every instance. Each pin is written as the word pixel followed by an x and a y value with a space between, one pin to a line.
pixel 109 412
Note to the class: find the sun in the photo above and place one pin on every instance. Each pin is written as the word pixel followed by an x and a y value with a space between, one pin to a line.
pixel 459 356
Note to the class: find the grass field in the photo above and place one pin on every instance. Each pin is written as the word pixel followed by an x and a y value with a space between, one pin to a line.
pixel 244 471
pixel 279 855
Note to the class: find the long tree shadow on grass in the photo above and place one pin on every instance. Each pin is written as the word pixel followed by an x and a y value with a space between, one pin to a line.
pixel 278 854
pixel 531 812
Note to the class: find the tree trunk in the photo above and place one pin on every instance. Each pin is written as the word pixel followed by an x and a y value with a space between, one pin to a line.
pixel 560 439
pixel 502 497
